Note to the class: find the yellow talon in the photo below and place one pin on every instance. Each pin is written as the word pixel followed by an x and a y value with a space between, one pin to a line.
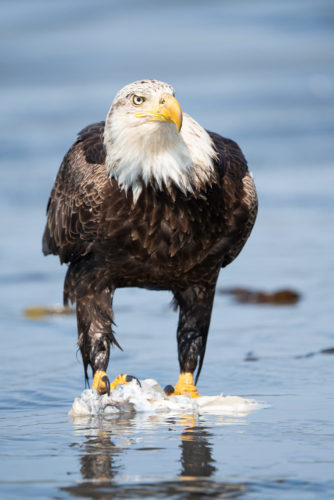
pixel 120 379
pixel 101 382
pixel 185 385
pixel 102 385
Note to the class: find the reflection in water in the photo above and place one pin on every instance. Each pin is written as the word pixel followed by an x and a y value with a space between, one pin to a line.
pixel 98 461
pixel 98 454
pixel 101 465
pixel 196 457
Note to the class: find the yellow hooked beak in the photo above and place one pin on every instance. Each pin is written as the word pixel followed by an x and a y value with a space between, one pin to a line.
pixel 168 109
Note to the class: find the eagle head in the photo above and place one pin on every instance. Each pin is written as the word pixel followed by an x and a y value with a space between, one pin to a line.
pixel 149 141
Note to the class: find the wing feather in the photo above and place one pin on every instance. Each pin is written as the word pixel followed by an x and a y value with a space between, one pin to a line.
pixel 74 208
pixel 239 195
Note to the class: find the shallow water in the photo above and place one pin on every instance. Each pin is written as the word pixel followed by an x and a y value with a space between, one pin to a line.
pixel 263 74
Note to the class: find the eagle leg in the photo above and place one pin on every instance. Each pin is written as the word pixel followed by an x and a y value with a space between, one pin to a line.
pixel 94 317
pixel 195 305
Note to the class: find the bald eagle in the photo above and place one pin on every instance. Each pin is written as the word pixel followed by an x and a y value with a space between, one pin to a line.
pixel 148 199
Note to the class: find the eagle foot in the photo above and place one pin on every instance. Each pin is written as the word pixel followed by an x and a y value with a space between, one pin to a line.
pixel 123 379
pixel 102 384
pixel 185 385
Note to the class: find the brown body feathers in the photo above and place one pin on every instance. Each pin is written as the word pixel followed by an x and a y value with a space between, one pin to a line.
pixel 166 240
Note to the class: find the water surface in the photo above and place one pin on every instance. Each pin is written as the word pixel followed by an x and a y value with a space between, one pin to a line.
pixel 261 73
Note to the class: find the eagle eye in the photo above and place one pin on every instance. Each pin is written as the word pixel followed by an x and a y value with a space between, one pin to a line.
pixel 138 100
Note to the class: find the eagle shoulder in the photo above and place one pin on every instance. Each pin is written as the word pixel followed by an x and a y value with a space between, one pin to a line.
pixel 74 205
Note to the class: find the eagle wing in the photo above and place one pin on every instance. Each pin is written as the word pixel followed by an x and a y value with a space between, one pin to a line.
pixel 74 207
pixel 239 197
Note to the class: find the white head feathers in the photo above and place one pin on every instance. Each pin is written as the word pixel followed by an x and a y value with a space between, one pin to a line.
pixel 145 150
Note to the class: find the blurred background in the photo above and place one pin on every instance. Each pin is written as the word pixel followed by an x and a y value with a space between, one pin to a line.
pixel 260 72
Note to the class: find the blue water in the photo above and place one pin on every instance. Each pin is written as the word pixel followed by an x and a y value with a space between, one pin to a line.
pixel 262 73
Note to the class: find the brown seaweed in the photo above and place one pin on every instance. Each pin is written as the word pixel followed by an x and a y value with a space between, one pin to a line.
pixel 38 312
pixel 246 296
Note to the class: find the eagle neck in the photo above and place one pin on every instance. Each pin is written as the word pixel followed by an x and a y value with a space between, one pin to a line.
pixel 155 154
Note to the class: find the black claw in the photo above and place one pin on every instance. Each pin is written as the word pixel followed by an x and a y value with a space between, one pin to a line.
pixel 169 389
pixel 105 379
pixel 128 378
